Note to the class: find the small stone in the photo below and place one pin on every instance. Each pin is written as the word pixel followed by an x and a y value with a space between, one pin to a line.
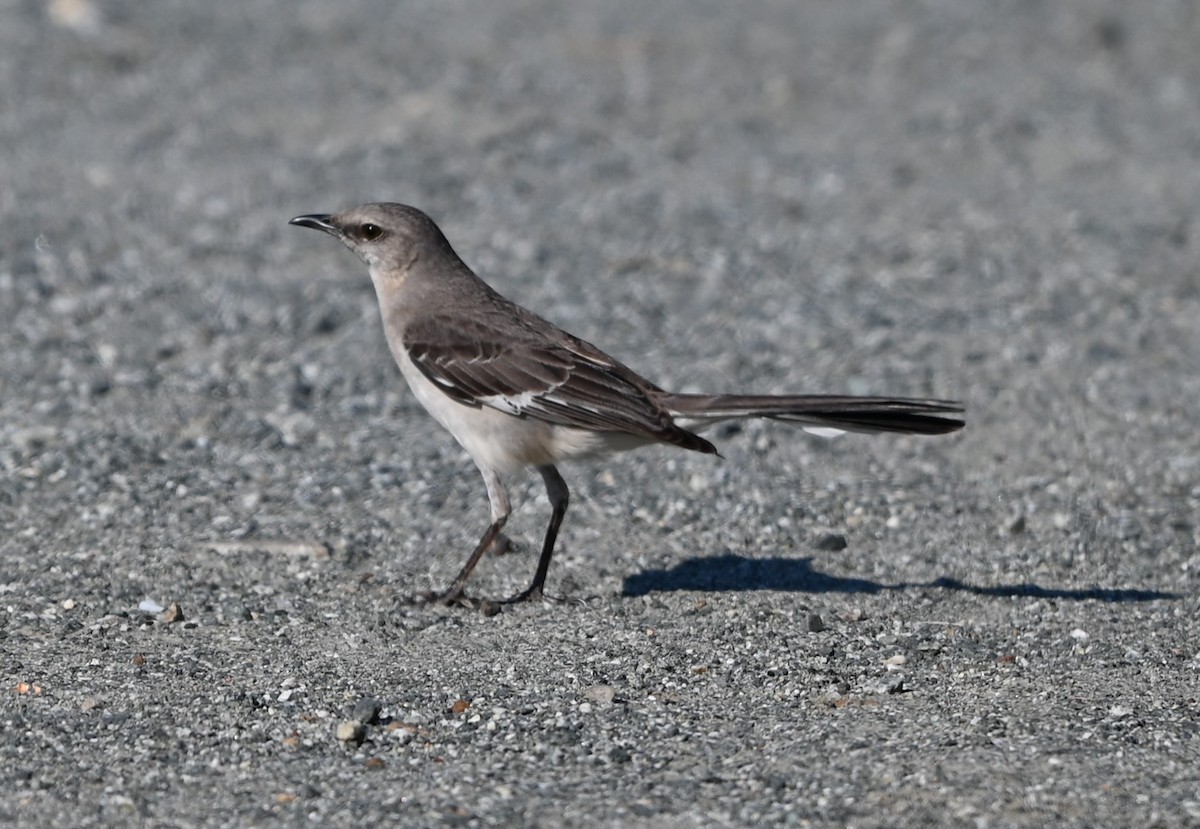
pixel 150 606
pixel 831 542
pixel 403 736
pixel 487 607
pixel 351 731
pixel 235 611
pixel 34 438
pixel 173 614
pixel 619 755
pixel 459 706
pixel 366 711
pixel 68 604
pixel 600 693
pixel 815 623
pixel 1079 635
pixel 1017 525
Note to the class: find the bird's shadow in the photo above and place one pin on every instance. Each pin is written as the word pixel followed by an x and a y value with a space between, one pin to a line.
pixel 737 573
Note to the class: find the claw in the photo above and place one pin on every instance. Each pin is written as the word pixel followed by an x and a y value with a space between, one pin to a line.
pixel 529 595
pixel 457 598
pixel 535 594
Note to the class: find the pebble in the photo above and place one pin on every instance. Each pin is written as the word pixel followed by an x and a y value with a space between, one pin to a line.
pixel 815 623
pixel 600 693
pixel 619 755
pixel 831 542
pixel 351 731
pixel 34 438
pixel 366 711
pixel 173 614
pixel 235 611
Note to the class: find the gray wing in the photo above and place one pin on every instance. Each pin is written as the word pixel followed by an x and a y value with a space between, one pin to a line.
pixel 528 368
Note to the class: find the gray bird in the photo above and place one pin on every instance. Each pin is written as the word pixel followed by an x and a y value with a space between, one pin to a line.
pixel 517 391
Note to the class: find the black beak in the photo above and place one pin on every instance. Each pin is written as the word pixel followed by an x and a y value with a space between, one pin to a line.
pixel 317 221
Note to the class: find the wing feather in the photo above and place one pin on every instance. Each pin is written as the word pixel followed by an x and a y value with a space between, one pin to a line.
pixel 532 369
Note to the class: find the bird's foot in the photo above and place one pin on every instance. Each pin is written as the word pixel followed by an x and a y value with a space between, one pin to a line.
pixel 457 598
pixel 535 594
pixel 527 595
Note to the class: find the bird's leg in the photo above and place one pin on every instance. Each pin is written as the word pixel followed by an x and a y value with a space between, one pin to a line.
pixel 455 595
pixel 559 495
pixel 501 509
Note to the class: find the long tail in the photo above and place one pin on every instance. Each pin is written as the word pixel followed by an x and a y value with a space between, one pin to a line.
pixel 820 413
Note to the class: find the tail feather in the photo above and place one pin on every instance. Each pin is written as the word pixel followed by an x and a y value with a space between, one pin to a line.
pixel 851 414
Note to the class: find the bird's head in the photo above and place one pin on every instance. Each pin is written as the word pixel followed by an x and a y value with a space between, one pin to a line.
pixel 388 237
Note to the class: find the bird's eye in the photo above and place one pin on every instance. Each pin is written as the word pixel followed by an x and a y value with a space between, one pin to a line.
pixel 371 232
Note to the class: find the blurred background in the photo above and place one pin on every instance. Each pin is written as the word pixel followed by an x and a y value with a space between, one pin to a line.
pixel 985 200
pixel 993 201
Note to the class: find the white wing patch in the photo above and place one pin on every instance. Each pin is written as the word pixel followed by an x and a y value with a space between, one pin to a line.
pixel 513 404
pixel 823 431
pixel 572 404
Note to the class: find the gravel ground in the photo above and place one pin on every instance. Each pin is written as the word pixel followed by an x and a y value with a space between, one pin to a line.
pixel 216 492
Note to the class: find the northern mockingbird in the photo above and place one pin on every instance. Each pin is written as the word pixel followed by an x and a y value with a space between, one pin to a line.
pixel 517 391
